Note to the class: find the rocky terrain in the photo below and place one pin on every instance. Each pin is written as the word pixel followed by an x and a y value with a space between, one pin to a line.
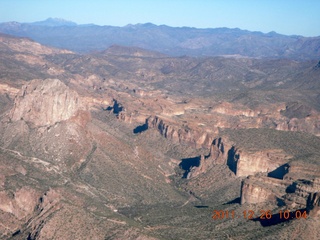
pixel 133 144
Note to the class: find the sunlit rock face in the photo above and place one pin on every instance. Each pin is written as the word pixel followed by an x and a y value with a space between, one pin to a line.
pixel 253 192
pixel 310 124
pixel 180 134
pixel 250 163
pixel 45 102
pixel 21 204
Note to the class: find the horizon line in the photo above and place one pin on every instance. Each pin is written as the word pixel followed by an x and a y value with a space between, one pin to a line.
pixel 150 23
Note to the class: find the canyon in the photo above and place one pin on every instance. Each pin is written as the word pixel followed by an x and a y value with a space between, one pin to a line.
pixel 133 144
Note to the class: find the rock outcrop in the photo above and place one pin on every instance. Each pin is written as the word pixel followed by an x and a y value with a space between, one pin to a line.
pixel 180 134
pixel 21 203
pixel 249 163
pixel 302 170
pixel 234 110
pixel 313 204
pixel 116 107
pixel 217 155
pixel 46 102
pixel 255 190
pixel 310 124
pixel 120 111
pixel 242 162
pixel 6 89
pixel 301 192
pixel 294 194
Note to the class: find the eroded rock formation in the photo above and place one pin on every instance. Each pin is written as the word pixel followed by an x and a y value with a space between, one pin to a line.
pixel 266 161
pixel 178 134
pixel 46 102
pixel 255 191
pixel 310 124
pixel 301 170
pixel 217 155
pixel 295 194
pixel 240 161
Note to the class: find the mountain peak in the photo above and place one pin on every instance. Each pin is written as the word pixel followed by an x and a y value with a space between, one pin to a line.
pixel 54 22
pixel 141 25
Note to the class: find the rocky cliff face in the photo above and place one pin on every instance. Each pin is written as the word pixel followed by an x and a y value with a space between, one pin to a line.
pixel 46 102
pixel 310 124
pixel 255 191
pixel 6 89
pixel 240 161
pixel 266 161
pixel 273 176
pixel 234 110
pixel 293 193
pixel 178 134
pixel 217 155
pixel 301 170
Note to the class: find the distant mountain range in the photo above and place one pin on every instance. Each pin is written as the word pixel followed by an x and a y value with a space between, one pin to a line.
pixel 174 41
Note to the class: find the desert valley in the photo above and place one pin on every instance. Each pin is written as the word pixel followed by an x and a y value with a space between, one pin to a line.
pixel 151 132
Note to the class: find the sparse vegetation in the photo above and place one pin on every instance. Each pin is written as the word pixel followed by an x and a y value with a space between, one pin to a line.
pixel 94 176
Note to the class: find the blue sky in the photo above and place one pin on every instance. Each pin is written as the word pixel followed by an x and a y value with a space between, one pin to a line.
pixel 291 17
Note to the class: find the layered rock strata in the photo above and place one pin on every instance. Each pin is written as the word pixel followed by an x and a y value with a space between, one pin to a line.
pixel 178 134
pixel 240 161
pixel 256 190
pixel 294 194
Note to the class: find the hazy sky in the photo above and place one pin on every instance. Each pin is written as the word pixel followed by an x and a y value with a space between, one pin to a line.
pixel 300 17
